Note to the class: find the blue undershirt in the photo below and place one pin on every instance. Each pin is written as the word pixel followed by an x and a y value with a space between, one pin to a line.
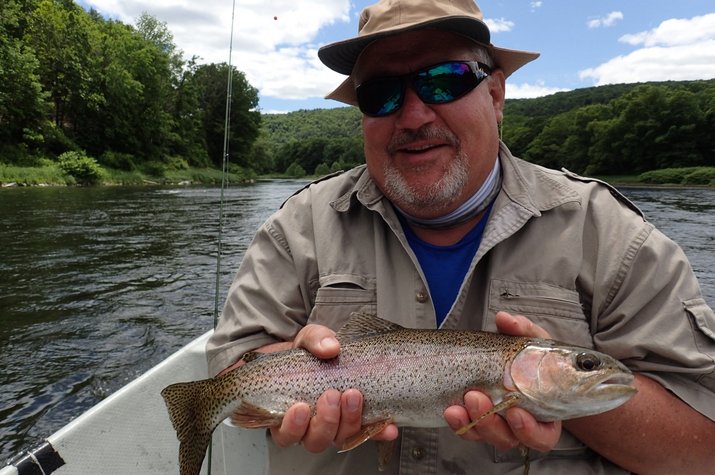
pixel 445 267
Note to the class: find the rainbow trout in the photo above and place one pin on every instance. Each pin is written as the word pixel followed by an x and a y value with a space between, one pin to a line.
pixel 407 377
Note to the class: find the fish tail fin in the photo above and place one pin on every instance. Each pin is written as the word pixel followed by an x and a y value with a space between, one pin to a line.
pixel 191 421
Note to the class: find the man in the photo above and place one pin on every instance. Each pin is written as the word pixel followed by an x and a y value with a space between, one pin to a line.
pixel 445 228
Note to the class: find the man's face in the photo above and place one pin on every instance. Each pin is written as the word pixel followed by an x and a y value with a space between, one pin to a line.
pixel 429 158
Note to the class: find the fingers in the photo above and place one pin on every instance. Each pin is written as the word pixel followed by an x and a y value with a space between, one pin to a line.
pixel 350 415
pixel 319 340
pixel 293 427
pixel 517 427
pixel 323 426
pixel 337 417
pixel 390 432
pixel 316 433
pixel 491 429
pixel 541 436
pixel 518 325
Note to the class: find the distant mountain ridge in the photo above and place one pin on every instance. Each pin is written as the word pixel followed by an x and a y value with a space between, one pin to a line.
pixel 650 125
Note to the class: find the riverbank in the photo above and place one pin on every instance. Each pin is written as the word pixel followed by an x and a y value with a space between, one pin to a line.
pixel 667 177
pixel 52 175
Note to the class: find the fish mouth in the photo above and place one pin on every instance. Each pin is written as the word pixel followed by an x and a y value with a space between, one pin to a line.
pixel 622 378
pixel 616 383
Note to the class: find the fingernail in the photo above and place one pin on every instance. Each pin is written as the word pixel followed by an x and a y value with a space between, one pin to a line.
pixel 300 417
pixel 353 402
pixel 328 343
pixel 516 421
pixel 333 398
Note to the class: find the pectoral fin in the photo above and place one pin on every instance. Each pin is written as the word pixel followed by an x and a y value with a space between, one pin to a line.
pixel 252 417
pixel 510 400
pixel 366 432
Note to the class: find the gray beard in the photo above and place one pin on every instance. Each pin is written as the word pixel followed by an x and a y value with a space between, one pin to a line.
pixel 437 196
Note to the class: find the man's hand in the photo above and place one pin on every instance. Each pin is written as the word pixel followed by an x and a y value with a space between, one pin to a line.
pixel 518 427
pixel 337 417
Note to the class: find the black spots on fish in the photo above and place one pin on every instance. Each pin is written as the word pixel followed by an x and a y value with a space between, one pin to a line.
pixel 588 361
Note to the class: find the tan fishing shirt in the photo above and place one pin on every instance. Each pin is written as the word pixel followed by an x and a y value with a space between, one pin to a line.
pixel 568 252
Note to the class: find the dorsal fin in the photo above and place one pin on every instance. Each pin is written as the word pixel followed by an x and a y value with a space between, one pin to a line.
pixel 361 325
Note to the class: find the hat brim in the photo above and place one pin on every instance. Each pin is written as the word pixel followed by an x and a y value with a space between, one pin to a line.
pixel 507 60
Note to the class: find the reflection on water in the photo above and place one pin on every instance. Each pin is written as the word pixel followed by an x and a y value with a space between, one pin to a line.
pixel 98 285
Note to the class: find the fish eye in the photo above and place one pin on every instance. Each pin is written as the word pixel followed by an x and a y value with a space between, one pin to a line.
pixel 587 361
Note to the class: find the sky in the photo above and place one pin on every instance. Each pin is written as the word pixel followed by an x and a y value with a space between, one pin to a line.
pixel 582 43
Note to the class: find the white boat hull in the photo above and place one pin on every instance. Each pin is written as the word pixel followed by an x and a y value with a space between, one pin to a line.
pixel 130 433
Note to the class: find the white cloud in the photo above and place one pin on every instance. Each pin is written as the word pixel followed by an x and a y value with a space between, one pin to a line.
pixel 675 32
pixel 675 63
pixel 274 42
pixel 499 25
pixel 677 49
pixel 535 5
pixel 529 91
pixel 606 21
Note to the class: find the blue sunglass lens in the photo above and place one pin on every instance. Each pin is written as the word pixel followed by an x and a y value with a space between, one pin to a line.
pixel 444 83
pixel 437 84
pixel 381 96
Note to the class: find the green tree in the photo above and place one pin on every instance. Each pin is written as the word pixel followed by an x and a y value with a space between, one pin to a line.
pixel 518 131
pixel 322 170
pixel 654 127
pixel 295 170
pixel 188 139
pixel 245 120
pixel 566 139
pixel 121 88
pixel 261 158
pixel 156 67
pixel 58 34
pixel 137 84
pixel 679 143
pixel 22 101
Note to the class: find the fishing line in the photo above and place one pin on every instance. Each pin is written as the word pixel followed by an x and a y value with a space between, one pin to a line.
pixel 224 183
pixel 224 167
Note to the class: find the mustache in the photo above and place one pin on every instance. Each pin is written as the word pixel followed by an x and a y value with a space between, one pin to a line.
pixel 426 132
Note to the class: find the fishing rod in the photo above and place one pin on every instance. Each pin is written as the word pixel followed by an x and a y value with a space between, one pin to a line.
pixel 224 167
pixel 224 183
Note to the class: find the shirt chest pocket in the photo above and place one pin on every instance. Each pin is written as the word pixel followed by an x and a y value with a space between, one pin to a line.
pixel 557 309
pixel 338 295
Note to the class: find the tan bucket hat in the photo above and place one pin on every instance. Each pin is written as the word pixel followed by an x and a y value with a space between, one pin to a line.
pixel 393 17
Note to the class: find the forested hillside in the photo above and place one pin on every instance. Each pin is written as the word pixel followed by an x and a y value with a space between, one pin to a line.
pixel 614 130
pixel 74 82
pixel 306 139
pixel 607 130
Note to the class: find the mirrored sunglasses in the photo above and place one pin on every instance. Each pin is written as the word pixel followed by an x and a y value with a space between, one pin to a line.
pixel 437 84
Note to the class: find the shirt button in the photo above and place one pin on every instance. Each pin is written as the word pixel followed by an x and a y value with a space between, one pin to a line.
pixel 421 296
pixel 418 453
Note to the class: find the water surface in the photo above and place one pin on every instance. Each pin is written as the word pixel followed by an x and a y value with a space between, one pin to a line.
pixel 97 285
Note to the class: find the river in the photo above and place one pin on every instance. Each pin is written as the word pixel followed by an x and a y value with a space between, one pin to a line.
pixel 99 284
